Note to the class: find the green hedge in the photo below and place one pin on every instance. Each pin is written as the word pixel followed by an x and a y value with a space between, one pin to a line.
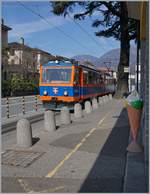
pixel 18 86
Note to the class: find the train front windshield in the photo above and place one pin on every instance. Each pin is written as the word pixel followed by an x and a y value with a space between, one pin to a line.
pixel 56 75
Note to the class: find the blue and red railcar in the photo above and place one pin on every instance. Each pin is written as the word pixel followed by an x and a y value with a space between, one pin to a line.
pixel 64 82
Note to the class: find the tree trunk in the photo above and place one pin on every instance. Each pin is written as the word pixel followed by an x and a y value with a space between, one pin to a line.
pixel 122 82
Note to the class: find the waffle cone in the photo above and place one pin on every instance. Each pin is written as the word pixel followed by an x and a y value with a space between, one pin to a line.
pixel 134 120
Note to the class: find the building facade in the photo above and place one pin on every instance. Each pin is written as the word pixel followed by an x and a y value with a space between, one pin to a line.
pixel 5 30
pixel 140 11
pixel 24 60
pixel 4 38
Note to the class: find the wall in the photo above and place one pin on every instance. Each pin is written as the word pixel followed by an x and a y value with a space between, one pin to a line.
pixel 145 92
pixel 4 38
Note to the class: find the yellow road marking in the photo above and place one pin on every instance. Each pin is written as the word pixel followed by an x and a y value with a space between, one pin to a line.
pixel 54 171
pixel 25 186
pixel 101 121
pixel 87 135
pixel 53 190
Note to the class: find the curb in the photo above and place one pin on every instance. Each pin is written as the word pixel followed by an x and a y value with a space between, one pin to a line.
pixel 11 125
pixel 135 178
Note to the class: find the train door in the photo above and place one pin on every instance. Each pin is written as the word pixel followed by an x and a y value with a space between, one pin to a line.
pixel 77 82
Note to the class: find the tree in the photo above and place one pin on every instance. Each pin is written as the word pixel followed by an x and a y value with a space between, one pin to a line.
pixel 21 86
pixel 4 61
pixel 113 21
pixel 17 85
pixel 6 88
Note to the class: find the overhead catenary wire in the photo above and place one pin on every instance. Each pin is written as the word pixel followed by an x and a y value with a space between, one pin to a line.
pixel 87 33
pixel 60 30
pixel 56 27
pixel 109 41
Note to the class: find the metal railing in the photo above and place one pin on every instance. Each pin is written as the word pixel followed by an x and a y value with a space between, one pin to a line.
pixel 15 106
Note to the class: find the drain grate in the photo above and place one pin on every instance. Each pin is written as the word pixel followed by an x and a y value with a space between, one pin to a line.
pixel 20 158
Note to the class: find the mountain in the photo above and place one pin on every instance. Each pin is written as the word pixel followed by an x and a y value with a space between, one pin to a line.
pixel 86 58
pixel 110 59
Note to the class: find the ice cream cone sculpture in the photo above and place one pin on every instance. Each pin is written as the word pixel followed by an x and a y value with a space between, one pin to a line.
pixel 134 120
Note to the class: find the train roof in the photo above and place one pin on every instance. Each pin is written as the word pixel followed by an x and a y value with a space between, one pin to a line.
pixel 69 63
pixel 58 63
pixel 75 63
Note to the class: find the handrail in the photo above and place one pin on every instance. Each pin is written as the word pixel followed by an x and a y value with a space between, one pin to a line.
pixel 7 105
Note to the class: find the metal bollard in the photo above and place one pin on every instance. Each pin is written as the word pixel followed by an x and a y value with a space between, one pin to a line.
pixel 88 107
pixel 24 133
pixel 7 107
pixel 94 103
pixel 78 110
pixel 49 121
pixel 65 115
pixel 23 105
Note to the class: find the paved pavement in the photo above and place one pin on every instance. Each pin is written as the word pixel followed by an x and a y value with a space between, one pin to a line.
pixel 88 155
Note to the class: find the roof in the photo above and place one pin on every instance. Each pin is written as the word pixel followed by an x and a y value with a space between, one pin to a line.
pixel 6 28
pixel 41 51
pixel 134 9
pixel 18 45
pixel 57 63
pixel 105 69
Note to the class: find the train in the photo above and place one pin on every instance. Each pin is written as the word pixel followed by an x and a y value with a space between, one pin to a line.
pixel 64 83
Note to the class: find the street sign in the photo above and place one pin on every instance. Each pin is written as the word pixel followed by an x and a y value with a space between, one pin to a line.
pixel 126 69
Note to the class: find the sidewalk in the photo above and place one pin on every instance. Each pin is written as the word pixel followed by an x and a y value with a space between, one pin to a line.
pixel 10 124
pixel 88 155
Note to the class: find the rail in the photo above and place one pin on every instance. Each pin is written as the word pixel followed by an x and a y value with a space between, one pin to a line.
pixel 14 106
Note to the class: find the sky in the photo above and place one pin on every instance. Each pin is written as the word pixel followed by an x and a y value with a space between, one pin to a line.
pixel 54 34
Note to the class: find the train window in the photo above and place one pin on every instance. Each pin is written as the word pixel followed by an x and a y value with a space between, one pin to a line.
pixel 77 76
pixel 56 75
pixel 85 77
pixel 90 77
pixel 100 79
pixel 93 78
pixel 97 78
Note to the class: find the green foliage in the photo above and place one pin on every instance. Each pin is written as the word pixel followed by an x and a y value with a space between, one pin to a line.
pixel 5 52
pixel 6 88
pixel 112 21
pixel 18 86
pixel 108 17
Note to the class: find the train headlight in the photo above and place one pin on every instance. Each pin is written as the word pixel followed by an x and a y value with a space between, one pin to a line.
pixel 65 93
pixel 45 93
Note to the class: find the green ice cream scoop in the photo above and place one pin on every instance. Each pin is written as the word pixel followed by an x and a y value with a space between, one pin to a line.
pixel 138 104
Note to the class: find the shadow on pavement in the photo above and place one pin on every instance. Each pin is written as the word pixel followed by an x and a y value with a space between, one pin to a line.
pixel 35 140
pixel 107 173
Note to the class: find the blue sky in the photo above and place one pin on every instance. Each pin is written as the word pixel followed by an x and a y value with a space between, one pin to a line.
pixel 37 33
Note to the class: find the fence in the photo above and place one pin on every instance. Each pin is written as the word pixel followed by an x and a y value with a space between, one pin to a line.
pixel 15 106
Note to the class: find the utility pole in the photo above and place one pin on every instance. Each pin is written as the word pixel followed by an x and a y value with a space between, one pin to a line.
pixel 138 51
